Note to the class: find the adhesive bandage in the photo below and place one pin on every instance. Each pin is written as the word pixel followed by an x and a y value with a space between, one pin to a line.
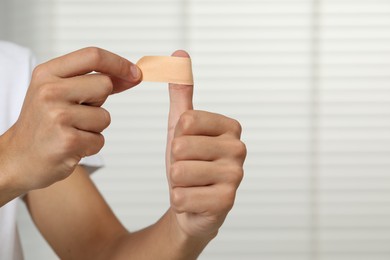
pixel 168 69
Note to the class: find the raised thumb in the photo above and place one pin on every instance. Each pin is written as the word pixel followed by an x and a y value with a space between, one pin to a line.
pixel 180 97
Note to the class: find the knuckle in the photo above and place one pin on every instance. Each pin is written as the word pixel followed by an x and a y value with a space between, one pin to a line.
pixel 107 118
pixel 178 146
pixel 39 72
pixel 177 199
pixel 60 116
pixel 239 149
pixel 228 198
pixel 236 126
pixel 49 92
pixel 187 120
pixel 100 140
pixel 93 53
pixel 237 174
pixel 107 85
pixel 70 141
pixel 175 174
pixel 98 145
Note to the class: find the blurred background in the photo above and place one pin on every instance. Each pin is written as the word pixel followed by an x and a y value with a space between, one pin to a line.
pixel 308 79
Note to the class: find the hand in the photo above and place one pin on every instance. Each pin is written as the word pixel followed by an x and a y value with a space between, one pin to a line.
pixel 61 120
pixel 204 162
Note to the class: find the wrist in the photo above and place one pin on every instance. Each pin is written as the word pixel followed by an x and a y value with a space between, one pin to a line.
pixel 9 186
pixel 184 242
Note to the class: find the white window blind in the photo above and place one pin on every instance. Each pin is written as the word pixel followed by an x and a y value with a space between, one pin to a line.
pixel 308 79
pixel 253 63
pixel 353 134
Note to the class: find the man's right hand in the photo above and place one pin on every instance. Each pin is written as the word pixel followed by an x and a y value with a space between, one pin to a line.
pixel 61 120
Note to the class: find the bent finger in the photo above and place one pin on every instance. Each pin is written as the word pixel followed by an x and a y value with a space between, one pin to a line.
pixel 95 59
pixel 89 118
pixel 91 89
pixel 206 148
pixel 206 123
pixel 194 173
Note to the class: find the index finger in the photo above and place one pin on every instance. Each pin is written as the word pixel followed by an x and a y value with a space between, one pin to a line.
pixel 92 59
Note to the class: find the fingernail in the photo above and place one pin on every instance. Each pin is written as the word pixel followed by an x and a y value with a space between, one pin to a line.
pixel 135 71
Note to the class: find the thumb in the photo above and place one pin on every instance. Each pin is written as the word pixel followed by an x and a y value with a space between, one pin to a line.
pixel 180 97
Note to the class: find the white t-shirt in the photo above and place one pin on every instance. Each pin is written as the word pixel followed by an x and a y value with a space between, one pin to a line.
pixel 16 64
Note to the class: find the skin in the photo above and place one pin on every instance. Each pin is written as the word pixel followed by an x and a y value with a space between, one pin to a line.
pixel 61 119
pixel 204 162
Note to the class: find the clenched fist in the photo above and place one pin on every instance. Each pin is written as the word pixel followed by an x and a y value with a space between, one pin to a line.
pixel 204 161
pixel 61 120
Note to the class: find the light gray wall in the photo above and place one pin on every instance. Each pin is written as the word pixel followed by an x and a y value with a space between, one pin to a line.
pixel 20 23
pixel 3 19
pixel 308 80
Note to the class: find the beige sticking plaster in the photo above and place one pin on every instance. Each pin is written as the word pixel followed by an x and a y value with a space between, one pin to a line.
pixel 177 70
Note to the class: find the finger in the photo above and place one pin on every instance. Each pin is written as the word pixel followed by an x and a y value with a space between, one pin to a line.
pixel 206 148
pixel 202 173
pixel 94 59
pixel 120 85
pixel 195 173
pixel 180 97
pixel 217 199
pixel 93 142
pixel 206 123
pixel 81 143
pixel 91 89
pixel 89 118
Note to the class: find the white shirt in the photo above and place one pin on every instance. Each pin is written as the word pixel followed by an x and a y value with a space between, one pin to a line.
pixel 16 64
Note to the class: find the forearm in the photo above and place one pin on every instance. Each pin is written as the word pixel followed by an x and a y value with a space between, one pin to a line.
pixel 78 224
pixel 163 240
